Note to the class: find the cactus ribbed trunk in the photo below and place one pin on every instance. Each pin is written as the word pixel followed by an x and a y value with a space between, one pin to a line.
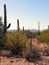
pixel 18 25
pixel 38 31
pixel 39 27
pixel 5 18
pixel 23 28
pixel 48 27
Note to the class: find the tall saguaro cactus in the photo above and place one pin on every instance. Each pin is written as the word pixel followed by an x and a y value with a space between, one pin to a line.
pixel 3 28
pixel 48 27
pixel 23 28
pixel 38 31
pixel 38 28
pixel 5 20
pixel 18 25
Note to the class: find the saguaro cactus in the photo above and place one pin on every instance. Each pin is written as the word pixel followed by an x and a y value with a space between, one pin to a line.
pixel 38 28
pixel 38 31
pixel 23 28
pixel 48 27
pixel 18 25
pixel 3 28
pixel 5 20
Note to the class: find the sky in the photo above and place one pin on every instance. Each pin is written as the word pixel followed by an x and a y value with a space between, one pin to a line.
pixel 29 13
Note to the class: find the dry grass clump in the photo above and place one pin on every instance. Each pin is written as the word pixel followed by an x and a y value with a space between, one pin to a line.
pixel 35 55
pixel 5 52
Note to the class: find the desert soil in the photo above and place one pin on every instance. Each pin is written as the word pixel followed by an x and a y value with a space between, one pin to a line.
pixel 14 61
pixel 21 61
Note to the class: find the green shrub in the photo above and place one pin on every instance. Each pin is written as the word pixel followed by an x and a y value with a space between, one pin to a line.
pixel 44 37
pixel 16 41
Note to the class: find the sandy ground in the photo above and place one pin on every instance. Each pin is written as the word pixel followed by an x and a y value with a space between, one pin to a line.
pixel 22 61
pixel 14 61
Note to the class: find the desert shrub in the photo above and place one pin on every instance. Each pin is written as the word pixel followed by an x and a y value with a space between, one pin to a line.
pixel 16 41
pixel 28 33
pixel 44 37
pixel 36 52
pixel 8 42
pixel 46 51
pixel 43 47
pixel 5 52
pixel 34 34
pixel 35 55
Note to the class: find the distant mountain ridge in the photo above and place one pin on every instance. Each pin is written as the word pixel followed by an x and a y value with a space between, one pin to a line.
pixel 32 30
pixel 35 30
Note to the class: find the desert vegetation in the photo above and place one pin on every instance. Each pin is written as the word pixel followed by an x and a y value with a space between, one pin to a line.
pixel 44 37
pixel 24 43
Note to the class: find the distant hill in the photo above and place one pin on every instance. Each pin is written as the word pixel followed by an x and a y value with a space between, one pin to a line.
pixel 32 30
pixel 35 30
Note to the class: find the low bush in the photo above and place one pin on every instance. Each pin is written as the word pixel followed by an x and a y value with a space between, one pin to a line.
pixel 35 55
pixel 16 41
pixel 47 51
pixel 5 52
pixel 44 37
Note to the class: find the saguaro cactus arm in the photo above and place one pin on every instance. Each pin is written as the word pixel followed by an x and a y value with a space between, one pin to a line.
pixel 8 26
